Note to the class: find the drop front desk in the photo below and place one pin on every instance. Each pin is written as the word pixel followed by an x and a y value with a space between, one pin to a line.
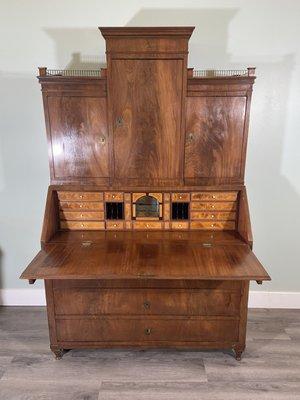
pixel 146 239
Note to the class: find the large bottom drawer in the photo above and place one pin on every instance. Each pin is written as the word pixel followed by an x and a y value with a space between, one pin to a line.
pixel 147 329
pixel 97 301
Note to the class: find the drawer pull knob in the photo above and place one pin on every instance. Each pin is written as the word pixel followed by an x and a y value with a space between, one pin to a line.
pixel 147 225
pixel 147 331
pixel 115 225
pixel 113 196
pixel 212 206
pixel 213 196
pixel 179 225
pixel 180 197
pixel 212 216
pixel 82 225
pixel 147 305
pixel 80 205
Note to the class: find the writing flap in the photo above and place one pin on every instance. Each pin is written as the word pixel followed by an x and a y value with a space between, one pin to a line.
pixel 128 259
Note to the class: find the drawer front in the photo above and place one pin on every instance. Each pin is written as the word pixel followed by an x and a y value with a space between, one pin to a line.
pixel 179 225
pixel 214 196
pixel 80 225
pixel 82 216
pixel 147 330
pixel 145 225
pixel 114 196
pixel 115 225
pixel 214 206
pixel 224 216
pixel 80 196
pixel 177 197
pixel 216 225
pixel 97 206
pixel 97 301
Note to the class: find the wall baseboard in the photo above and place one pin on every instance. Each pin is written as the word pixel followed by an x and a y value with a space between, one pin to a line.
pixel 36 297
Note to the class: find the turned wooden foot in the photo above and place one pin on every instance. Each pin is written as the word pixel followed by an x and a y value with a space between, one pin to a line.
pixel 58 353
pixel 238 353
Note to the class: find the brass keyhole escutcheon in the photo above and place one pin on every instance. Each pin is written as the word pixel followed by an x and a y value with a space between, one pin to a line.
pixel 102 140
pixel 119 121
pixel 147 305
pixel 147 331
pixel 190 137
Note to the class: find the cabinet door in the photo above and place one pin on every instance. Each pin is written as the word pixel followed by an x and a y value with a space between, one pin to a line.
pixel 214 139
pixel 78 130
pixel 146 97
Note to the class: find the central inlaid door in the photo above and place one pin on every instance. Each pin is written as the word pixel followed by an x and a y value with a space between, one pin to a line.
pixel 146 101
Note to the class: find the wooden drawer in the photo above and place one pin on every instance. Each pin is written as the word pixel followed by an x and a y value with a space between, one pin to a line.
pixel 215 206
pixel 86 225
pixel 80 196
pixel 145 225
pixel 149 329
pixel 99 206
pixel 225 216
pixel 115 225
pixel 82 216
pixel 214 196
pixel 177 197
pixel 217 225
pixel 97 301
pixel 114 196
pixel 179 225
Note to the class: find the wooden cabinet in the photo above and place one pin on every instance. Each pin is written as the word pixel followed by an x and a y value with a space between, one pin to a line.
pixel 146 239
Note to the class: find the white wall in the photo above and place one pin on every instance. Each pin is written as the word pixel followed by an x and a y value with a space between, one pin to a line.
pixel 228 34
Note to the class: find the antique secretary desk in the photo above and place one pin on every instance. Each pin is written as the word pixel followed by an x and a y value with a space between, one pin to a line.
pixel 146 239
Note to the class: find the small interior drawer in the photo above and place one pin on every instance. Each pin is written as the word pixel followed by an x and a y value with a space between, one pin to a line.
pixel 223 216
pixel 80 196
pixel 81 216
pixel 114 225
pixel 80 206
pixel 179 225
pixel 216 225
pixel 214 206
pixel 114 196
pixel 214 196
pixel 145 225
pixel 177 197
pixel 82 225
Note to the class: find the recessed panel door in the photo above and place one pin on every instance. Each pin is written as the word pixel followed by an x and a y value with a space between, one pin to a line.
pixel 78 127
pixel 146 98
pixel 214 138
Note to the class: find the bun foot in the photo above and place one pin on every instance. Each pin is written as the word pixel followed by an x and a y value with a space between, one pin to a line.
pixel 58 353
pixel 238 353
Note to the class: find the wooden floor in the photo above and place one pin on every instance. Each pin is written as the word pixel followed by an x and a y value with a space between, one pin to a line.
pixel 270 368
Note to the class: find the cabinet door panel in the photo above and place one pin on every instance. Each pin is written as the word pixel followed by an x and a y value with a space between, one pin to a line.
pixel 214 137
pixel 146 117
pixel 78 136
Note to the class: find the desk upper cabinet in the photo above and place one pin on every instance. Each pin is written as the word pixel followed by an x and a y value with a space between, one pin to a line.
pixel 146 94
pixel 76 120
pixel 217 117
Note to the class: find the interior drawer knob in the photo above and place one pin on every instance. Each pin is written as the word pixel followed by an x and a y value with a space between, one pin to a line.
pixel 147 305
pixel 147 331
